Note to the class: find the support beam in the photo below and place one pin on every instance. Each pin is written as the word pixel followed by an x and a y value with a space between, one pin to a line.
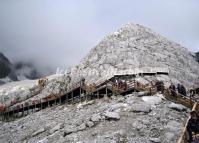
pixel 22 111
pixel 60 100
pixel 106 91
pixel 72 99
pixel 80 93
pixel 66 98
pixel 98 94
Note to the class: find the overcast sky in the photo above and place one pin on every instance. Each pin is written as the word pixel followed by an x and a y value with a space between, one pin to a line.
pixel 61 32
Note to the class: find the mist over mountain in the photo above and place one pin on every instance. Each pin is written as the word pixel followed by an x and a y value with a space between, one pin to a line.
pixel 17 71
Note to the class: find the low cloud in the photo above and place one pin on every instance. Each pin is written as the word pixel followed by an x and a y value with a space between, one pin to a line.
pixel 60 33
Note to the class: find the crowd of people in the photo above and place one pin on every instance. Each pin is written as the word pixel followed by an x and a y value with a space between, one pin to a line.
pixel 180 89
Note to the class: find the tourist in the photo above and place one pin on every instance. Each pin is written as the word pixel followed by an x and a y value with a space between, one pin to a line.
pixel 183 90
pixel 172 89
pixel 179 88
pixel 193 125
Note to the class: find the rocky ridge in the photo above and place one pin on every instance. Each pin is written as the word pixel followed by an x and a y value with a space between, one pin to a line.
pixel 135 46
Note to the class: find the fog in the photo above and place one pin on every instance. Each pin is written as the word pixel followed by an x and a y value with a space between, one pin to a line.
pixel 60 33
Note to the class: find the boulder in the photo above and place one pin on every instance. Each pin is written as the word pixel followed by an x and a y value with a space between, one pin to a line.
pixel 90 124
pixel 117 106
pixel 140 107
pixel 112 116
pixel 81 127
pixel 95 118
pixel 56 128
pixel 41 130
pixel 155 140
pixel 173 126
pixel 152 100
pixel 142 93
pixel 177 107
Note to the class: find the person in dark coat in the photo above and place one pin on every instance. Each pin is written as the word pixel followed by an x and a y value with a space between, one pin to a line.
pixel 158 86
pixel 172 89
pixel 179 88
pixel 183 90
pixel 193 125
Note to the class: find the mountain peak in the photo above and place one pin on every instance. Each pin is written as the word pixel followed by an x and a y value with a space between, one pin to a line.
pixel 134 46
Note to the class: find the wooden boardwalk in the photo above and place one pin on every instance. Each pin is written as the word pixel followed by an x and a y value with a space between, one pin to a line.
pixel 79 92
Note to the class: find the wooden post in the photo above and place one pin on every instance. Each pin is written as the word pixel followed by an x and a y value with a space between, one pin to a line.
pixel 41 104
pixel 98 94
pixel 28 110
pixel 80 92
pixel 1 116
pixel 60 100
pixel 55 102
pixel 22 111
pixel 72 97
pixel 106 90
pixel 8 115
pixel 66 98
pixel 13 115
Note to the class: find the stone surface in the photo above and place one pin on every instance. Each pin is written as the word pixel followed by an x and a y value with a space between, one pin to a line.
pixel 177 107
pixel 155 140
pixel 95 118
pixel 152 100
pixel 41 130
pixel 143 93
pixel 140 107
pixel 112 116
pixel 56 128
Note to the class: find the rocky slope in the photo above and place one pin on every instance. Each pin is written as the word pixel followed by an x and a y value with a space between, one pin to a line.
pixel 135 46
pixel 129 119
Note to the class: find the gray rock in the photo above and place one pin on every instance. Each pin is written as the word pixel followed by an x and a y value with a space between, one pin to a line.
pixel 41 130
pixel 155 140
pixel 169 137
pixel 89 124
pixel 139 126
pixel 140 107
pixel 112 116
pixel 177 107
pixel 173 126
pixel 81 127
pixel 56 128
pixel 95 118
pixel 67 132
pixel 117 106
pixel 142 93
